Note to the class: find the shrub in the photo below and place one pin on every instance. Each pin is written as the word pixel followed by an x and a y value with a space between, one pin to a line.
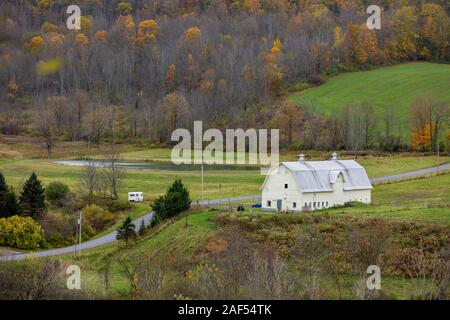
pixel 20 232
pixel 315 80
pixel 119 205
pixel 96 219
pixel 59 229
pixel 56 193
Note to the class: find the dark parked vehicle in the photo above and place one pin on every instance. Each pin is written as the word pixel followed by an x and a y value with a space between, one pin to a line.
pixel 256 205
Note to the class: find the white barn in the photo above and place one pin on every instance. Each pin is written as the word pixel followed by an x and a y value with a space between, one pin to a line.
pixel 311 185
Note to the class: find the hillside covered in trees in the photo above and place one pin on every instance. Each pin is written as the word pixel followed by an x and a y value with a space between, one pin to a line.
pixel 139 69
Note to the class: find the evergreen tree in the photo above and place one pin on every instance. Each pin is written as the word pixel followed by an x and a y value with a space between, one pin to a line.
pixel 32 198
pixel 175 200
pixel 3 195
pixel 126 231
pixel 12 204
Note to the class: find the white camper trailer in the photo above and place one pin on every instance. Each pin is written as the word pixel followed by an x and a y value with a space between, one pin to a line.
pixel 135 196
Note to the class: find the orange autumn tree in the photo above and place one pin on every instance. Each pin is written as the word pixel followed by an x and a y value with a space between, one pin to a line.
pixel 127 26
pixel 101 35
pixel 422 139
pixel 170 78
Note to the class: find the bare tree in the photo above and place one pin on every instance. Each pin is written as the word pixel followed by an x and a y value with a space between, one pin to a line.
pixel 89 179
pixel 46 129
pixel 112 172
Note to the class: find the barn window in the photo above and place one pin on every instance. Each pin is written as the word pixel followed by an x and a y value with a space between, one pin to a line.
pixel 306 204
pixel 327 203
pixel 323 203
pixel 314 204
pixel 310 204
pixel 294 204
pixel 269 203
pixel 285 185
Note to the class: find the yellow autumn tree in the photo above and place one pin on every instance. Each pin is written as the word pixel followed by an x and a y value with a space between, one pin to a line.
pixel 35 45
pixel 436 26
pixel 354 44
pixel 192 34
pixel 272 69
pixel 147 31
pixel 81 39
pixel 405 25
pixel 13 89
pixel 49 27
pixel 370 44
pixel 251 6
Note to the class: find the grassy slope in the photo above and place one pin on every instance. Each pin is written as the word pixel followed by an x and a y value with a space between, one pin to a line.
pixel 396 86
pixel 402 200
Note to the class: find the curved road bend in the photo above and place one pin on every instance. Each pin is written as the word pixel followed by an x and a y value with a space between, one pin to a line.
pixel 111 237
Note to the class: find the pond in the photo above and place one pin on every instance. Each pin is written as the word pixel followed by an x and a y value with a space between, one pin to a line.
pixel 155 165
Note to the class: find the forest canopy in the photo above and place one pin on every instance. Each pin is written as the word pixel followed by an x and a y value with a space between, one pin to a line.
pixel 146 66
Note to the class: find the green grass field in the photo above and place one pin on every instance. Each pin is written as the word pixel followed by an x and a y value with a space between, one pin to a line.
pixel 423 200
pixel 218 183
pixel 396 86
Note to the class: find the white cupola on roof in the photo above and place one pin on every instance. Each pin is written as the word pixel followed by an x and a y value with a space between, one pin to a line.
pixel 301 158
pixel 334 156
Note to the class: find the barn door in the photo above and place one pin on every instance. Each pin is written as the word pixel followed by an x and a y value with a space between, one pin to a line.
pixel 279 205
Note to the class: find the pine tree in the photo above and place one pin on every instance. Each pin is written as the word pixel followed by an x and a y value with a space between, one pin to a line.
pixel 175 200
pixel 126 231
pixel 32 198
pixel 12 204
pixel 3 195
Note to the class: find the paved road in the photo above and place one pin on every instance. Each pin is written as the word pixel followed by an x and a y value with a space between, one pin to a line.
pixel 410 174
pixel 111 237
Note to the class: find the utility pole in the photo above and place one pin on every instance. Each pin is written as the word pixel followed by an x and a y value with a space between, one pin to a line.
pixel 202 182
pixel 79 230
pixel 438 155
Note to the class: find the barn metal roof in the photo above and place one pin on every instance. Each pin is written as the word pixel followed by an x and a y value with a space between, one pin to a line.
pixel 319 176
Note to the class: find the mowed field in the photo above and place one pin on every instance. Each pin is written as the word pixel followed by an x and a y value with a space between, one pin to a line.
pixel 397 86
